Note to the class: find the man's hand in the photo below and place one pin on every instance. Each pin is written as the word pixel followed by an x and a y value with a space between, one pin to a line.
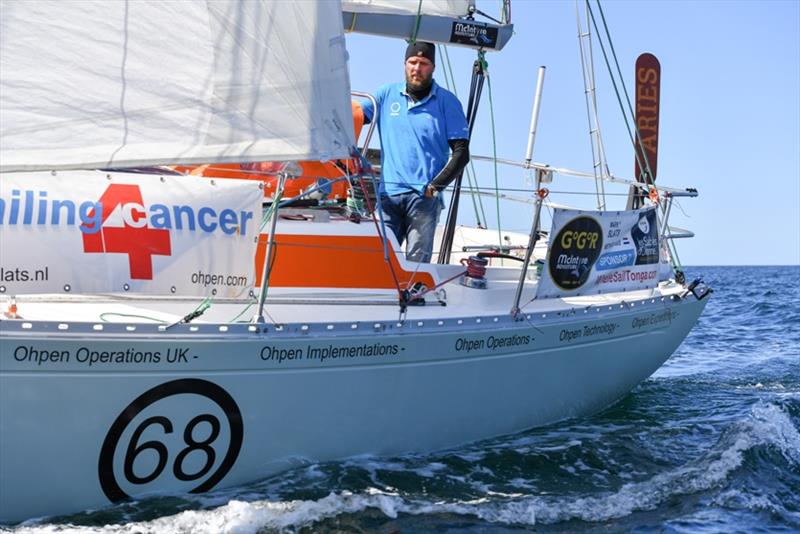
pixel 431 191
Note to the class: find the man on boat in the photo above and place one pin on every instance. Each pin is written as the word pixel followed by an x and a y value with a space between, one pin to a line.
pixel 419 122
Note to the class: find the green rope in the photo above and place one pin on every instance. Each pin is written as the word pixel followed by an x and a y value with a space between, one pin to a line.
pixel 494 148
pixel 416 25
pixel 133 316
pixel 450 81
pixel 471 180
pixel 250 305
pixel 268 212
pixel 203 306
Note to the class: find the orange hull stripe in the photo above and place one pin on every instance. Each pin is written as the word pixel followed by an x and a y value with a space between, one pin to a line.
pixel 333 261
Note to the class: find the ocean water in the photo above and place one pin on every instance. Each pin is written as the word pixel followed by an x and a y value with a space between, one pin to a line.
pixel 710 443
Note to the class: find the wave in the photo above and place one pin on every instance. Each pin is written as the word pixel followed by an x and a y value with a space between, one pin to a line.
pixel 768 428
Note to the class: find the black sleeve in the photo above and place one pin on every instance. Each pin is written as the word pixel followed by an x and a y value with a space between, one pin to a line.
pixel 458 160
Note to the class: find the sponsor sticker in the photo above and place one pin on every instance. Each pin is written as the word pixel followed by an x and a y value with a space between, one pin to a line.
pixel 645 238
pixel 574 251
pixel 473 34
pixel 614 260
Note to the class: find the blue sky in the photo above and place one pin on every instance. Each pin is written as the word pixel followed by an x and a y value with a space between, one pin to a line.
pixel 730 114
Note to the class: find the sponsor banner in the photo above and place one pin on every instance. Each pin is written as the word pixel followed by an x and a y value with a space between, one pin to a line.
pixel 602 251
pixel 93 232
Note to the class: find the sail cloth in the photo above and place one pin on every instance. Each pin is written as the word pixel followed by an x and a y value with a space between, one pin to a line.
pixel 594 252
pixel 132 83
pixel 441 8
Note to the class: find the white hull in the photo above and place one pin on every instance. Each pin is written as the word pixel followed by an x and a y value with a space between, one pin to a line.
pixel 424 384
pixel 101 401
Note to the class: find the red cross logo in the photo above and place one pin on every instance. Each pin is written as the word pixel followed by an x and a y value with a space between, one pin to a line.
pixel 139 243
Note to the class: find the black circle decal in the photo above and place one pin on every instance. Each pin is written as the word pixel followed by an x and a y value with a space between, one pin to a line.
pixel 573 252
pixel 198 436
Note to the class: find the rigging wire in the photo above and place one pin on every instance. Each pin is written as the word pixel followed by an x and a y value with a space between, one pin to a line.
pixel 671 245
pixel 627 97
pixel 635 129
pixel 590 97
pixel 643 155
pixel 610 71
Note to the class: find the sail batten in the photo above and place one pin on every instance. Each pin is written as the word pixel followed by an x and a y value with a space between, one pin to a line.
pixel 95 84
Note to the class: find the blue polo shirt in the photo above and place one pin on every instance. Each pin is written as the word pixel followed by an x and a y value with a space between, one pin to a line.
pixel 414 135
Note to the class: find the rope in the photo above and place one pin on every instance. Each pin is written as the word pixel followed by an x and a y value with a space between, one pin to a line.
pixel 471 180
pixel 197 312
pixel 382 227
pixel 475 90
pixel 494 154
pixel 416 24
pixel 200 310
pixel 131 315
pixel 421 294
pixel 250 305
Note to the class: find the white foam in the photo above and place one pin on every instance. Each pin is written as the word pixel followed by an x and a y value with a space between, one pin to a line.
pixel 429 470
pixel 738 499
pixel 767 424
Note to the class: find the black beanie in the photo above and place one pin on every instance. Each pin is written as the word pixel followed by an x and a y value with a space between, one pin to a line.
pixel 421 48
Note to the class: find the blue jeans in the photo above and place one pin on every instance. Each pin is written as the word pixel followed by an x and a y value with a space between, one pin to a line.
pixel 412 218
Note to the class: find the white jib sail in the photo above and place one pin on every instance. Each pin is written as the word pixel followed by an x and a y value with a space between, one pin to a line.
pixel 97 84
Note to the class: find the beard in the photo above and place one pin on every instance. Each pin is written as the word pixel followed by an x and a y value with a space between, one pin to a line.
pixel 419 84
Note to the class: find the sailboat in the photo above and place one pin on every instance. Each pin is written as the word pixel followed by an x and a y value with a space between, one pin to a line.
pixel 159 336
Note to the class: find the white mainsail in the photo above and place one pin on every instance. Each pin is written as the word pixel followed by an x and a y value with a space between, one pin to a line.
pixel 233 81
pixel 442 8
